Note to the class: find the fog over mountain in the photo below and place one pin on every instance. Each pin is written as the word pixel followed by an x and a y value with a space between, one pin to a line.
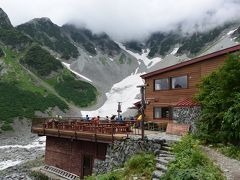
pixel 127 20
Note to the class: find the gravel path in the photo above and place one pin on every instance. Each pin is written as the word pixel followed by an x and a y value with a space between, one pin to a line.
pixel 230 167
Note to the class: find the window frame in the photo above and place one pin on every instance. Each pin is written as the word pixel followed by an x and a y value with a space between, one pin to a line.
pixel 169 109
pixel 176 77
pixel 169 85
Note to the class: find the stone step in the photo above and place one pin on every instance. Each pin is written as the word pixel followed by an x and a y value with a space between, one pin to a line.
pixel 166 144
pixel 157 174
pixel 161 167
pixel 166 155
pixel 165 152
pixel 166 148
pixel 168 158
pixel 162 161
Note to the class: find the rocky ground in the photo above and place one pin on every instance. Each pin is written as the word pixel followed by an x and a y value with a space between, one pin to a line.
pixel 230 167
pixel 19 150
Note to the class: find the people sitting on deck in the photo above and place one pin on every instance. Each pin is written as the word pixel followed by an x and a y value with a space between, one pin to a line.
pixel 96 120
pixel 113 117
pixel 120 119
pixel 107 119
pixel 87 118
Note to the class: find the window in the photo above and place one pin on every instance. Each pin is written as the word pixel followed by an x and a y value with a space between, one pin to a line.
pixel 179 82
pixel 161 112
pixel 162 84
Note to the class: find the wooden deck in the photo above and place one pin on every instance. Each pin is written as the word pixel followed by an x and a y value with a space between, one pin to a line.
pixel 103 131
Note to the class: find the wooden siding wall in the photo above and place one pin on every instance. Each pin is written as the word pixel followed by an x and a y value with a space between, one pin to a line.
pixel 68 154
pixel 165 98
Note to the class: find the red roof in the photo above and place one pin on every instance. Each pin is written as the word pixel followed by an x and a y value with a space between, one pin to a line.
pixel 192 61
pixel 186 103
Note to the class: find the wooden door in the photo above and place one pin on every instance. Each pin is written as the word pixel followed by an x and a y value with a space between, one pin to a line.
pixel 87 165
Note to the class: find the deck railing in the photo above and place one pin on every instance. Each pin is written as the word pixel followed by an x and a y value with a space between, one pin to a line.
pixel 79 125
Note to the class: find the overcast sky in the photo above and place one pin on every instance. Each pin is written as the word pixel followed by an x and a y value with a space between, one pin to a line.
pixel 126 19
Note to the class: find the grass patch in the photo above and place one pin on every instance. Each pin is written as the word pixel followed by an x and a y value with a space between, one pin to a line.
pixel 140 165
pixel 191 163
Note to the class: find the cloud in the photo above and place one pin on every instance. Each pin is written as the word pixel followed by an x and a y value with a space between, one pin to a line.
pixel 127 19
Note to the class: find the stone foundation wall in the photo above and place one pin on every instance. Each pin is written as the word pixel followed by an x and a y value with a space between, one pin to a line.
pixel 187 115
pixel 120 151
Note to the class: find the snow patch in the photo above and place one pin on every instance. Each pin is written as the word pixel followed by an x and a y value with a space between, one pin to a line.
pixel 231 32
pixel 148 62
pixel 90 56
pixel 111 59
pixel 8 163
pixel 174 51
pixel 136 70
pixel 125 92
pixel 68 67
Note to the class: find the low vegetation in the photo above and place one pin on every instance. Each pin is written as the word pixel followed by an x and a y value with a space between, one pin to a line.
pixel 16 102
pixel 79 92
pixel 20 96
pixel 65 83
pixel 41 61
pixel 191 163
pixel 140 165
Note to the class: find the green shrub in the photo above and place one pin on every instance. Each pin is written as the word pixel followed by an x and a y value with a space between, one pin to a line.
pixel 219 97
pixel 140 165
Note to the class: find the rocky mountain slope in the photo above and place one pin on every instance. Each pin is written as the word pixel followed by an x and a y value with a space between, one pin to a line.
pixel 161 44
pixel 32 80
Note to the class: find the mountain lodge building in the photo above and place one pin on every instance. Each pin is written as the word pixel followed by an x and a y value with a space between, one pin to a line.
pixel 169 91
